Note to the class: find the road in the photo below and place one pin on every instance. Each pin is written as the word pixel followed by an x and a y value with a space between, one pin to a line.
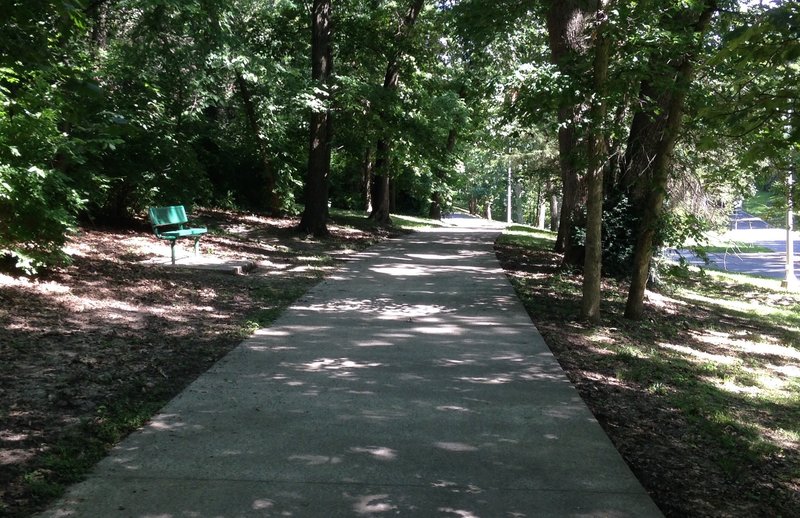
pixel 746 228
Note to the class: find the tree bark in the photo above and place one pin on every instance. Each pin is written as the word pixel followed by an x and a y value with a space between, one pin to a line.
pixel 650 145
pixel 98 12
pixel 380 185
pixel 553 212
pixel 566 23
pixel 570 181
pixel 268 196
pixel 597 155
pixel 366 179
pixel 380 182
pixel 315 215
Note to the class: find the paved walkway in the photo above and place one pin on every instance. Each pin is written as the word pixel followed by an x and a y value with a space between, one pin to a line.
pixel 410 383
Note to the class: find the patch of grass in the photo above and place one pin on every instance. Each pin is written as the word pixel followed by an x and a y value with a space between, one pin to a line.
pixel 528 237
pixel 406 222
pixel 359 219
pixel 701 397
pixel 351 218
pixel 74 455
pixel 762 205
pixel 735 248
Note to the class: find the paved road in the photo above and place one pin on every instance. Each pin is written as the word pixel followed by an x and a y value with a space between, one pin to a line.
pixel 411 382
pixel 746 228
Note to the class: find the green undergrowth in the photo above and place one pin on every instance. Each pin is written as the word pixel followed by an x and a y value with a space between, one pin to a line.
pixel 74 454
pixel 762 205
pixel 712 374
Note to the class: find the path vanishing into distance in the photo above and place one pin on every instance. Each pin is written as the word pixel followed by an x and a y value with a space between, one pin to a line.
pixel 411 382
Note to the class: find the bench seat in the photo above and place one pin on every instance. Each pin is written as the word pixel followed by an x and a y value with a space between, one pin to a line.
pixel 170 223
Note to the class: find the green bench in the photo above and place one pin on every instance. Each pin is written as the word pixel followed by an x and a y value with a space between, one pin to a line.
pixel 170 223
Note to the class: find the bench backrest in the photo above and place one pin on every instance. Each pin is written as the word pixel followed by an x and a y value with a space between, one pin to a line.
pixel 173 215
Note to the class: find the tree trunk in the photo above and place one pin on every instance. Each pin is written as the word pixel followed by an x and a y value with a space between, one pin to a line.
pixel 98 12
pixel 650 145
pixel 366 179
pixel 553 213
pixel 570 181
pixel 380 185
pixel 268 195
pixel 566 22
pixel 435 211
pixel 315 215
pixel 597 154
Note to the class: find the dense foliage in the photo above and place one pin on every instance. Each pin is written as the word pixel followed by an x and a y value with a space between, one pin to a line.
pixel 110 106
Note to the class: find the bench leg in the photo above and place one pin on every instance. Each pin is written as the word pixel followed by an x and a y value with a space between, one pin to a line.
pixel 172 249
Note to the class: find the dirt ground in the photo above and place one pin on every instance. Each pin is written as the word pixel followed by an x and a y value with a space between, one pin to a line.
pixel 92 348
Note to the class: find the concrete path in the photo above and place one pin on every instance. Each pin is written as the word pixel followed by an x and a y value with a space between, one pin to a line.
pixel 410 383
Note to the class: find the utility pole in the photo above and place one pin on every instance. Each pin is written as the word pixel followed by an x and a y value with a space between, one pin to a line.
pixel 790 283
pixel 508 194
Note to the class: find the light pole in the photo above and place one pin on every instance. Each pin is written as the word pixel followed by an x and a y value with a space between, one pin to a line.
pixel 508 194
pixel 790 283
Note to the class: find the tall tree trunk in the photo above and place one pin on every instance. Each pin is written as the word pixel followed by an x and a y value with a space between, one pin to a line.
pixel 366 179
pixel 315 215
pixel 597 154
pixel 553 208
pixel 98 12
pixel 570 181
pixel 268 195
pixel 566 23
pixel 650 145
pixel 380 183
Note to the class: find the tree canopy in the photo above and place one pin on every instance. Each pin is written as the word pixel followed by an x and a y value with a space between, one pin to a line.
pixel 613 117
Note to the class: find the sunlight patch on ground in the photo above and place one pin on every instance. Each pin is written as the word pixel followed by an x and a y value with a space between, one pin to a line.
pixel 332 364
pixel 699 355
pixel 378 452
pixel 744 306
pixel 788 439
pixel 600 336
pixel 770 347
pixel 367 505
pixel 403 271
pixel 446 330
pixel 384 307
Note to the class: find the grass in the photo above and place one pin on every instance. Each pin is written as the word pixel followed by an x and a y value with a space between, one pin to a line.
pixel 762 205
pixel 735 248
pixel 73 455
pixel 407 222
pixel 708 383
pixel 358 219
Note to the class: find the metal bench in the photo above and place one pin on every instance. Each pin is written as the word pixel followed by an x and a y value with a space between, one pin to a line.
pixel 171 223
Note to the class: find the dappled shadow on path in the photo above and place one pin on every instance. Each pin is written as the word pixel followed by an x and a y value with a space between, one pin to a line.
pixel 411 381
